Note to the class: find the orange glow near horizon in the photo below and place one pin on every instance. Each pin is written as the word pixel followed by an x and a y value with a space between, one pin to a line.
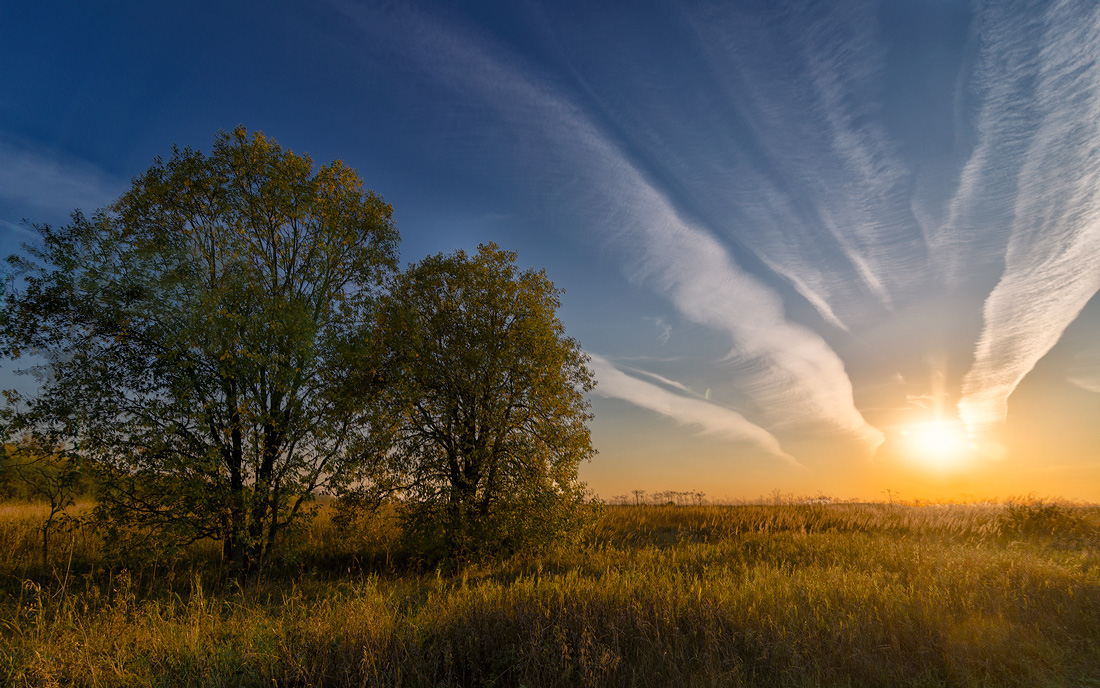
pixel 940 443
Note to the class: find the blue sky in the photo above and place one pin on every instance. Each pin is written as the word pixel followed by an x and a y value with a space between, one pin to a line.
pixel 793 235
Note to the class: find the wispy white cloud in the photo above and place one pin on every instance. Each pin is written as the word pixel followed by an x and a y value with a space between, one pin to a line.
pixel 697 413
pixel 665 330
pixel 35 180
pixel 799 375
pixel 821 193
pixel 1085 371
pixel 791 371
pixel 661 379
pixel 18 230
pixel 972 238
pixel 1052 266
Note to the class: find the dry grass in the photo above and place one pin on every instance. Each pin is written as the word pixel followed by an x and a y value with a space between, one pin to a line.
pixel 776 595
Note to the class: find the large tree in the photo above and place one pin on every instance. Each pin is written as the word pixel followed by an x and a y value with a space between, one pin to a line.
pixel 487 396
pixel 205 339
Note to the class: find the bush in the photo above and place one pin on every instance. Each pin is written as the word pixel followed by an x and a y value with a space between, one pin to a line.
pixel 432 531
pixel 1038 518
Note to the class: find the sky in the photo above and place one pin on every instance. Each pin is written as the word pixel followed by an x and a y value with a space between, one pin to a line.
pixel 812 248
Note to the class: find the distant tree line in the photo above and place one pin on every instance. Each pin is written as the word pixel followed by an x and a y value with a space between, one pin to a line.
pixel 233 337
pixel 673 497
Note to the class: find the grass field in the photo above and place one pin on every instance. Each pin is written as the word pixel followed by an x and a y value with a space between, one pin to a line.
pixel 758 595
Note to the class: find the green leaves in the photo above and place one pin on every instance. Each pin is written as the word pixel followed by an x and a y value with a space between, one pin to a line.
pixel 219 341
pixel 487 399
pixel 203 328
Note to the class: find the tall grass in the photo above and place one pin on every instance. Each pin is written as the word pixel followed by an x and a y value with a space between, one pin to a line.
pixel 761 595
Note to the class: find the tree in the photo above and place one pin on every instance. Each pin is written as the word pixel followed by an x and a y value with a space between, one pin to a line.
pixel 45 473
pixel 207 331
pixel 486 397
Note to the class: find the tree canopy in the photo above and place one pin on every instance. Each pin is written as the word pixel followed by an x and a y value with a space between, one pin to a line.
pixel 204 336
pixel 485 393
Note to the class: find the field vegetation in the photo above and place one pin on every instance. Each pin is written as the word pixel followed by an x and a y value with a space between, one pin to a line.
pixel 770 594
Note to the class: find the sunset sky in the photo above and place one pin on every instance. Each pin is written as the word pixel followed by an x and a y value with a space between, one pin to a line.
pixel 819 247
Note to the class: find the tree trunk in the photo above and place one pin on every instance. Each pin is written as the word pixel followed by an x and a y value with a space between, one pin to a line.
pixel 236 536
pixel 265 496
pixel 45 549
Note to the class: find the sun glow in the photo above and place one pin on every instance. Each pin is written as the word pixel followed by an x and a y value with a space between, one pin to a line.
pixel 940 443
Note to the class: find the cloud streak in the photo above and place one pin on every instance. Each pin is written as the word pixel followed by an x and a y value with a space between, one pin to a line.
pixel 791 371
pixel 34 180
pixel 794 161
pixel 665 330
pixel 1052 265
pixel 697 413
pixel 1085 373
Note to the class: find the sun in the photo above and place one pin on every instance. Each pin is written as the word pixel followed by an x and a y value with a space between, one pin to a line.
pixel 938 443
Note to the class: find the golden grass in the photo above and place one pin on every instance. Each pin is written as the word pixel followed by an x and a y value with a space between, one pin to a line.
pixel 776 595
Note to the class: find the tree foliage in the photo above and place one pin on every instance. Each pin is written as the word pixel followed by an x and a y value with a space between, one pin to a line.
pixel 486 398
pixel 205 337
pixel 46 473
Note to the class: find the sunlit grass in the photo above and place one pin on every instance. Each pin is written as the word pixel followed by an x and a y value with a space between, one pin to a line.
pixel 769 595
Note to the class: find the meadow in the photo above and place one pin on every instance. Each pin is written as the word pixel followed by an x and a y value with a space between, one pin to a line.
pixel 779 594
